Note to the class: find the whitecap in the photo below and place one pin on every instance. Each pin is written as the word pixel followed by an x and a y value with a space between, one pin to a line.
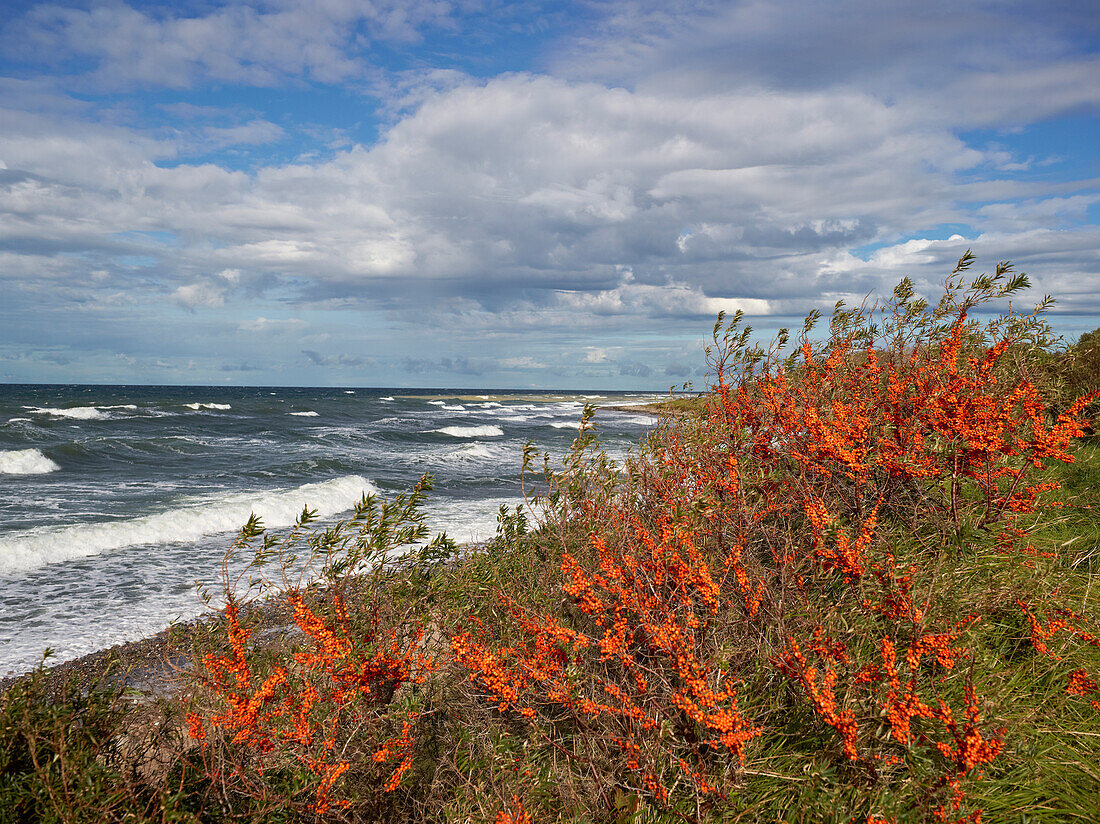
pixel 438 403
pixel 80 413
pixel 212 516
pixel 640 420
pixel 26 462
pixel 208 406
pixel 385 399
pixel 467 453
pixel 456 408
pixel 471 431
pixel 19 420
pixel 565 424
pixel 349 392
pixel 309 414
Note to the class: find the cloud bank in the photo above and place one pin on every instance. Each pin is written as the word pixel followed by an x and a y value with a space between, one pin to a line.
pixel 613 190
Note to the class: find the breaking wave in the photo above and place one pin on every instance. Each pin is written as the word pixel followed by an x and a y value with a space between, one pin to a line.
pixel 471 431
pixel 278 508
pixel 80 413
pixel 638 420
pixel 26 462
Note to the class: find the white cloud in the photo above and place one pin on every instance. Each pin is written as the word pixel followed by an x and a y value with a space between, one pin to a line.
pixel 526 186
pixel 279 326
pixel 1038 212
pixel 667 300
pixel 520 363
pixel 203 293
pixel 253 132
pixel 236 42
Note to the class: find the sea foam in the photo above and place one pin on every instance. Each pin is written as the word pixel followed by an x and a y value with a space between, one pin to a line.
pixel 468 521
pixel 309 414
pixel 26 462
pixel 471 431
pixel 38 547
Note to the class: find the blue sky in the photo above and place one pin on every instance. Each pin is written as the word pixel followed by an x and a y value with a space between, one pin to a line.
pixel 493 194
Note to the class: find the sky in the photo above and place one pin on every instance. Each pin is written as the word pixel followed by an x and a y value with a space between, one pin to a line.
pixel 477 193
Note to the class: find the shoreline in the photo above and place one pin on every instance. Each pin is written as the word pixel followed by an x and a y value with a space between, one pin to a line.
pixel 149 666
pixel 152 666
pixel 674 407
pixel 642 408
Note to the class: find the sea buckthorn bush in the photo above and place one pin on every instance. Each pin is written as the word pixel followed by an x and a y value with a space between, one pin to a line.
pixel 326 727
pixel 804 548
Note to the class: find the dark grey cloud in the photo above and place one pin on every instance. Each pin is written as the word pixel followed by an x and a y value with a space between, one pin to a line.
pixel 55 358
pixel 453 366
pixel 976 58
pixel 678 370
pixel 635 369
pixel 240 367
pixel 318 359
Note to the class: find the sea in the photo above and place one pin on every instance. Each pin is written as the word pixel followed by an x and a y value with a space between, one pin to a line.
pixel 116 500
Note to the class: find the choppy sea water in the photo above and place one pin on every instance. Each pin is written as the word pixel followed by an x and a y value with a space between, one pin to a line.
pixel 114 501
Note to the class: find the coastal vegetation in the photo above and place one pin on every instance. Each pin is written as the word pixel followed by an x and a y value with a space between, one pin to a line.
pixel 851 582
